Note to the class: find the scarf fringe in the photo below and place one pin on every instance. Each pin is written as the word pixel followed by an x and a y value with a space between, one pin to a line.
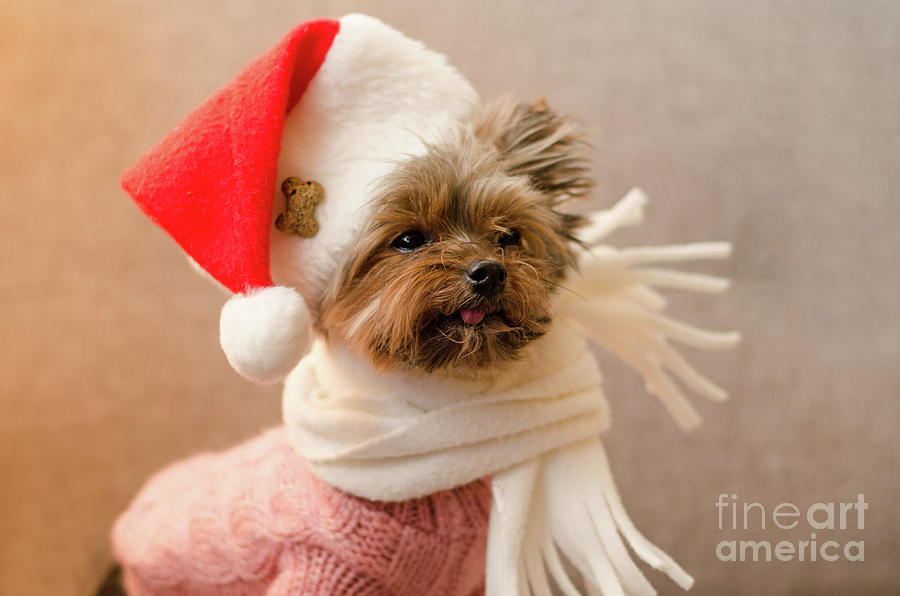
pixel 615 301
pixel 584 524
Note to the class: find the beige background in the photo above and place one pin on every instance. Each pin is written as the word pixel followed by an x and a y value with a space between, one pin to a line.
pixel 773 124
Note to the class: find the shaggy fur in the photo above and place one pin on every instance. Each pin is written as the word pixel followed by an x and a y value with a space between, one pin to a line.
pixel 488 191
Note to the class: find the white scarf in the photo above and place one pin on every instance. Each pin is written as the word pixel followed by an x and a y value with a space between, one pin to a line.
pixel 533 427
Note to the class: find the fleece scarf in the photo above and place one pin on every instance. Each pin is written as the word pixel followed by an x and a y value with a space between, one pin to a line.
pixel 533 427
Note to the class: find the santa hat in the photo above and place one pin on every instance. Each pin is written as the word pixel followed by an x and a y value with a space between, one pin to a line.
pixel 334 103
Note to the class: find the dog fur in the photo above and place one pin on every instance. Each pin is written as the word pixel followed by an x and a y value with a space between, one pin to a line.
pixel 490 191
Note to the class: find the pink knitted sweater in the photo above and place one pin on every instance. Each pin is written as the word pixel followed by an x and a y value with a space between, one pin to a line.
pixel 254 520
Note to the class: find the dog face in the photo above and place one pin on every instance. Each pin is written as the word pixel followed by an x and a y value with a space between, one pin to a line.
pixel 466 245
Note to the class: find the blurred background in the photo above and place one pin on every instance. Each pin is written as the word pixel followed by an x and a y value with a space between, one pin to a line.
pixel 775 125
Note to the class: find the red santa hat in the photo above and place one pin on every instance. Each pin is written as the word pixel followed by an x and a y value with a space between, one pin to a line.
pixel 335 102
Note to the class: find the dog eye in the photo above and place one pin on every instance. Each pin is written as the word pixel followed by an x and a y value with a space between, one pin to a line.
pixel 409 240
pixel 510 238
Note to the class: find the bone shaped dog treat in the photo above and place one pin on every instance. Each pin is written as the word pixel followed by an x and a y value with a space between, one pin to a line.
pixel 299 214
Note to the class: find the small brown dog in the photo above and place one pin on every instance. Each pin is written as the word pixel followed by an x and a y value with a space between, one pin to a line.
pixel 456 267
pixel 412 296
pixel 466 245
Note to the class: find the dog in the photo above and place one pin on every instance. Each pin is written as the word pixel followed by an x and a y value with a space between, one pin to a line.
pixel 416 289
pixel 455 270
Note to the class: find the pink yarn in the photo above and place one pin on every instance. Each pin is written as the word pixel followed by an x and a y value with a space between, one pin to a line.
pixel 254 520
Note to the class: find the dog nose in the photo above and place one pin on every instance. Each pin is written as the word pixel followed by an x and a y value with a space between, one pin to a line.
pixel 487 277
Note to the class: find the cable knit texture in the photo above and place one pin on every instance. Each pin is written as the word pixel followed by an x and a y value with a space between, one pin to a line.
pixel 254 520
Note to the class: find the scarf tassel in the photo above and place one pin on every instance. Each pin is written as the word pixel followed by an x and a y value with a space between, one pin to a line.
pixel 616 302
pixel 574 514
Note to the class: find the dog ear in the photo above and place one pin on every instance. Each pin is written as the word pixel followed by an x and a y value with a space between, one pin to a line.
pixel 536 142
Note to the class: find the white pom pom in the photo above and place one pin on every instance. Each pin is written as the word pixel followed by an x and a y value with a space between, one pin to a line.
pixel 265 333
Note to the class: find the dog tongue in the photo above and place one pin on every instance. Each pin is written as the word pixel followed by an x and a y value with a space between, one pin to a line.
pixel 471 316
